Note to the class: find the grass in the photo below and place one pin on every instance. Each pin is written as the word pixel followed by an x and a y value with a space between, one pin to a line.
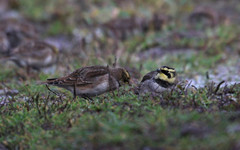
pixel 170 121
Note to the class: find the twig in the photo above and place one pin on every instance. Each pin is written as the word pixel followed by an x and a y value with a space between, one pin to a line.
pixel 218 86
pixel 37 102
pixel 51 90
pixel 207 75
pixel 194 87
pixel 115 62
pixel 60 95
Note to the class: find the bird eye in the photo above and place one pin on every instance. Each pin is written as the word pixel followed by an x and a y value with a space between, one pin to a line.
pixel 166 73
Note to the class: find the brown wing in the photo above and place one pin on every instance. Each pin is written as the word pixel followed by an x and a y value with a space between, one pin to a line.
pixel 87 73
pixel 149 76
pixel 82 76
pixel 33 48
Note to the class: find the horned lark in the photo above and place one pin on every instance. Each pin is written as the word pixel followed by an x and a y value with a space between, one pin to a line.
pixel 34 54
pixel 17 31
pixel 158 80
pixel 91 81
pixel 4 44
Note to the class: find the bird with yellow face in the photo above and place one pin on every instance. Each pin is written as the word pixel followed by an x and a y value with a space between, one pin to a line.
pixel 158 81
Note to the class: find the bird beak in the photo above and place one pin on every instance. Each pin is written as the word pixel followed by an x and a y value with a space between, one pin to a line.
pixel 158 70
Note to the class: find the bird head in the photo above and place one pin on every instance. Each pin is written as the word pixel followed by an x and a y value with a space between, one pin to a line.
pixel 126 76
pixel 167 74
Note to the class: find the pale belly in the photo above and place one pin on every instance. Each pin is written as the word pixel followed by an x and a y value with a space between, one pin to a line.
pixel 94 91
pixel 97 90
pixel 149 86
pixel 45 62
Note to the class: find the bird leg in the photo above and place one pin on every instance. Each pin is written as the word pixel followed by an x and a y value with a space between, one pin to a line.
pixel 110 82
pixel 118 88
pixel 74 92
pixel 111 88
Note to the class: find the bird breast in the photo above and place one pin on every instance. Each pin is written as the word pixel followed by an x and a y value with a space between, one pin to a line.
pixel 100 86
pixel 151 86
pixel 97 90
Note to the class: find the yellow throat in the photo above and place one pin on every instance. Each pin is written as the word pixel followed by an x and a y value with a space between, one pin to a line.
pixel 164 77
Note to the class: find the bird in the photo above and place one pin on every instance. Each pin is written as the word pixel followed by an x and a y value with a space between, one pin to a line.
pixel 4 43
pixel 15 32
pixel 157 81
pixel 34 55
pixel 90 81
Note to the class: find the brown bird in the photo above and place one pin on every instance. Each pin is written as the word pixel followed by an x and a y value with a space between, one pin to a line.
pixel 4 44
pixel 91 81
pixel 34 54
pixel 16 32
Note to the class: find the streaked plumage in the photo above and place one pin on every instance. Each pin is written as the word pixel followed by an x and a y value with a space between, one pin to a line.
pixel 4 44
pixel 16 32
pixel 34 54
pixel 92 80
